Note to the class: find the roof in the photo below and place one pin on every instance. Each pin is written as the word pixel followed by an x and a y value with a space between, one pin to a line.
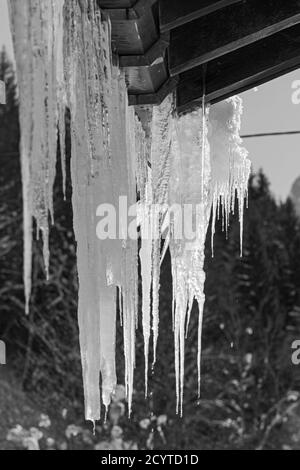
pixel 216 47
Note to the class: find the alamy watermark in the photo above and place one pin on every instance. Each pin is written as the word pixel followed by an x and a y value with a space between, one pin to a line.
pixel 296 353
pixel 139 220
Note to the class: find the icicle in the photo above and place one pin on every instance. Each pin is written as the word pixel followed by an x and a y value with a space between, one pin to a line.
pixel 203 142
pixel 187 249
pixel 143 139
pixel 144 187
pixel 2 92
pixel 108 343
pixel 160 165
pixel 146 271
pixel 154 199
pixel 61 86
pixel 129 279
pixel 103 171
pixel 91 102
pixel 64 58
pixel 36 25
pixel 230 165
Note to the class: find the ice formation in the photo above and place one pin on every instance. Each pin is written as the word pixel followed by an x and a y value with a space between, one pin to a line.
pixel 173 170
pixel 209 169
pixel 153 209
pixel 229 163
pixel 103 170
pixel 2 92
pixel 37 34
pixel 189 200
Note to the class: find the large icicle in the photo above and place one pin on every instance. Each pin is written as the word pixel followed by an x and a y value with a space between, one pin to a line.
pixel 160 164
pixel 154 201
pixel 103 171
pixel 90 102
pixel 189 218
pixel 144 187
pixel 37 26
pixel 129 266
pixel 209 169
pixel 146 269
pixel 73 66
pixel 79 50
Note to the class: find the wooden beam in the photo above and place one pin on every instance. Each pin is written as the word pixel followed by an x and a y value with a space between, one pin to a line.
pixel 174 13
pixel 154 55
pixel 116 3
pixel 241 70
pixel 134 37
pixel 146 80
pixel 153 98
pixel 121 10
pixel 134 29
pixel 229 29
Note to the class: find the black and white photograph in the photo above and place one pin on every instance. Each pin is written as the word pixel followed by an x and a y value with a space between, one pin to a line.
pixel 149 228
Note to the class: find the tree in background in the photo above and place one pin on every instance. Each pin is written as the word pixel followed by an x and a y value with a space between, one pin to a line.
pixel 9 123
pixel 11 200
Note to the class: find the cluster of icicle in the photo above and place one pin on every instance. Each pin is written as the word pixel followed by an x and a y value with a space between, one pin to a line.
pixel 37 35
pixel 64 59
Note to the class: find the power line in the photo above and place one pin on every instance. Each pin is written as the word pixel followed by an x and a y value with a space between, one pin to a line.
pixel 270 134
pixel 246 136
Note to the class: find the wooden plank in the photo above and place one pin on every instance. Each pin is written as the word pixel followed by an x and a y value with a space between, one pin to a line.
pixel 174 13
pixel 126 10
pixel 116 3
pixel 153 98
pixel 154 55
pixel 134 30
pixel 134 37
pixel 228 29
pixel 241 70
pixel 146 80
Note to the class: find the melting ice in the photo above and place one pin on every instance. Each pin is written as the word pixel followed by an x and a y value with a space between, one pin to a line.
pixel 159 160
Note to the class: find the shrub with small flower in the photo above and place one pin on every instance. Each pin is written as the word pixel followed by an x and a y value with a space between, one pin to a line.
pixel 108 435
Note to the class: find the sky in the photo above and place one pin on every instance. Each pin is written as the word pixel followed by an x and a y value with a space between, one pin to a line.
pixel 268 109
pixel 271 109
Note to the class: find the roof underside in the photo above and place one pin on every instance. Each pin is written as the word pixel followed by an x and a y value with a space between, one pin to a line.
pixel 216 47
